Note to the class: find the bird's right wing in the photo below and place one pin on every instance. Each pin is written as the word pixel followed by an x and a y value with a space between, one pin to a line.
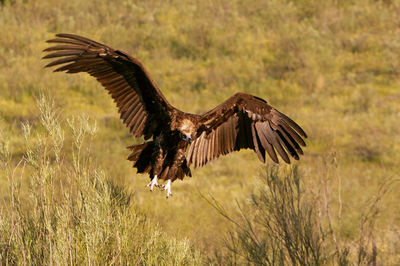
pixel 141 105
pixel 245 121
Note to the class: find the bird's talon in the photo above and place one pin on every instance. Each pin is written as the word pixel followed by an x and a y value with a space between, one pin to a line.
pixel 153 183
pixel 167 187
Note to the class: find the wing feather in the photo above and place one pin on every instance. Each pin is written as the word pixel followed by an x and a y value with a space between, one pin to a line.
pixel 204 151
pixel 216 144
pixel 138 122
pixel 292 124
pixel 130 100
pixel 190 151
pixel 133 116
pixel 257 148
pixel 195 150
pixel 261 128
pixel 272 136
pixel 291 132
pixel 69 52
pixel 222 139
pixel 286 143
pixel 130 113
pixel 135 94
pixel 210 150
pixel 140 127
pixel 59 40
pixel 245 121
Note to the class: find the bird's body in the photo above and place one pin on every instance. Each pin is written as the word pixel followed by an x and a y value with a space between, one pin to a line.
pixel 175 140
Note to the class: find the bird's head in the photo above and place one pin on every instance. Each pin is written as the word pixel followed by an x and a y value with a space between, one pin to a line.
pixel 186 137
pixel 186 130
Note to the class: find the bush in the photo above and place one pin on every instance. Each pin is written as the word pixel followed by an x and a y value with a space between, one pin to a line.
pixel 284 225
pixel 75 215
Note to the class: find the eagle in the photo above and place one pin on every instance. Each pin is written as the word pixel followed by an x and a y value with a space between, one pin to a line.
pixel 174 140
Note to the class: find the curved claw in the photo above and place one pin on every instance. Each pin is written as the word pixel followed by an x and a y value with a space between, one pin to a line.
pixel 153 183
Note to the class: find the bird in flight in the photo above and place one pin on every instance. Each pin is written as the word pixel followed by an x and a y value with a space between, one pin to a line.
pixel 175 140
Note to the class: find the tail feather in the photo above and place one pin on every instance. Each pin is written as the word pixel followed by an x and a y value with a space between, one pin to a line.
pixel 141 156
pixel 136 150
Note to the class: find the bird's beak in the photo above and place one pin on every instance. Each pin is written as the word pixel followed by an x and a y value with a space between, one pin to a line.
pixel 187 138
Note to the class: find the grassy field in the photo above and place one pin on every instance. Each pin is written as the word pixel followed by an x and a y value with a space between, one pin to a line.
pixel 333 66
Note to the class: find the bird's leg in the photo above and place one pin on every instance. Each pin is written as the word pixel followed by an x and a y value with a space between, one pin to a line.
pixel 153 183
pixel 167 187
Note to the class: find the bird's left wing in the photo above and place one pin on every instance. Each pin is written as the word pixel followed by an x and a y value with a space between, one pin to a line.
pixel 245 121
pixel 142 107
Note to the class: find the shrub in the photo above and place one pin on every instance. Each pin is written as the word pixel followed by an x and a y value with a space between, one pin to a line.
pixel 75 214
pixel 283 224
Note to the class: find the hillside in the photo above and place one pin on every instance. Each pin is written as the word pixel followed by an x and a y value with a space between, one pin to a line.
pixel 333 66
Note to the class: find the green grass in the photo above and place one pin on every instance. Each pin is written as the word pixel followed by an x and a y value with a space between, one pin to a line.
pixel 333 66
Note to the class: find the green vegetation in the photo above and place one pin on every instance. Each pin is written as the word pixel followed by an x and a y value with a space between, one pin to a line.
pixel 75 215
pixel 331 65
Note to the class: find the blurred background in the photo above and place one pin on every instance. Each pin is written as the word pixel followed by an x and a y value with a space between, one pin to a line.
pixel 332 66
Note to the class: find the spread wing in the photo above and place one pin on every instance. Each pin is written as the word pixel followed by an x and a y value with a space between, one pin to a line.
pixel 140 103
pixel 245 121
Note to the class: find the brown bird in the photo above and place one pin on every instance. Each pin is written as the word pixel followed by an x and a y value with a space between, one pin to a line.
pixel 175 140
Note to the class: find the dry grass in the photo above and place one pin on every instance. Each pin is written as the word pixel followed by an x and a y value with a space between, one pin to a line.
pixel 287 223
pixel 73 213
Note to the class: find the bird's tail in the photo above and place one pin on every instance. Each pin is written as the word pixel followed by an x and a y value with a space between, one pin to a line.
pixel 141 156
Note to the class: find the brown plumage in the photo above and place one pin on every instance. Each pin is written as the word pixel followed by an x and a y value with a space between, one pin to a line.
pixel 243 121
